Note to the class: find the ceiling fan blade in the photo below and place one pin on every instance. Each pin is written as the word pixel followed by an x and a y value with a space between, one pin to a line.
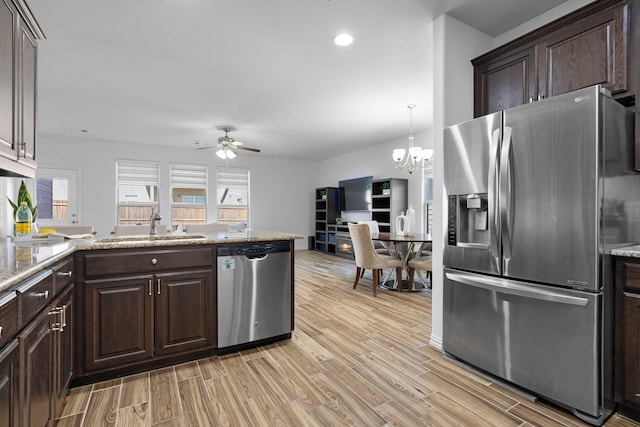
pixel 255 150
pixel 205 148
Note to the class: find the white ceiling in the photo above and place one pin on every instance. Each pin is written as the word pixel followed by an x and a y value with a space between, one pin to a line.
pixel 170 72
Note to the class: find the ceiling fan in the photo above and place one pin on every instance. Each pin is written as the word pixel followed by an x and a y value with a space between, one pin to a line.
pixel 227 146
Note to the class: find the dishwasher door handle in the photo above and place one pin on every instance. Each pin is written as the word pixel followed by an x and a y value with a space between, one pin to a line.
pixel 257 258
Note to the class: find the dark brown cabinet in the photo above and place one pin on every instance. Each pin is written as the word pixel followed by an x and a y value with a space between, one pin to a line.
pixel 62 349
pixel 628 336
pixel 9 384
pixel 119 321
pixel 46 344
pixel 36 345
pixel 184 317
pixel 18 55
pixel 140 306
pixel 593 45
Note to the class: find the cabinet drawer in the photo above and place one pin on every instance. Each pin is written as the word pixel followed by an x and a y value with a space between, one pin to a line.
pixel 109 263
pixel 63 274
pixel 34 294
pixel 8 316
pixel 631 274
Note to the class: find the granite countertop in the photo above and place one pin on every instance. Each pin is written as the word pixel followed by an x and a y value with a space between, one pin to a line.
pixel 20 260
pixel 628 251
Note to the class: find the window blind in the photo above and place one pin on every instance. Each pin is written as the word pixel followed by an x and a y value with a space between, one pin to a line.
pixel 233 178
pixel 137 172
pixel 188 176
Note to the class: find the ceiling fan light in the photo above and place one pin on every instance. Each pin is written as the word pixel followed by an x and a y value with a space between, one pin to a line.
pixel 343 39
pixel 222 154
pixel 230 154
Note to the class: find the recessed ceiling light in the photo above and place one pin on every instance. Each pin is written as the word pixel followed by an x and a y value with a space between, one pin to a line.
pixel 343 39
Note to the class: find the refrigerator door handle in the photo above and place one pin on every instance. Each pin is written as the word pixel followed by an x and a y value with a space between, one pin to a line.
pixel 511 287
pixel 494 223
pixel 505 185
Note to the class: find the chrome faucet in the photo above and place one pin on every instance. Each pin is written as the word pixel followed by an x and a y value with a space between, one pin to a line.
pixel 155 217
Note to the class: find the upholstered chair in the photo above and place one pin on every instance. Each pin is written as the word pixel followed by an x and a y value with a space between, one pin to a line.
pixel 367 257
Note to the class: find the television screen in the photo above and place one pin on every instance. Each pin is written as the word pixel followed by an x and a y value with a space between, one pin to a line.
pixel 357 193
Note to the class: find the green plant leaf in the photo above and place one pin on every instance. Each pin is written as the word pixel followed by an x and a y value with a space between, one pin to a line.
pixel 24 196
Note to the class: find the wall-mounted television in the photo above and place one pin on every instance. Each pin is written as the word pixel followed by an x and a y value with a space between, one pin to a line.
pixel 357 193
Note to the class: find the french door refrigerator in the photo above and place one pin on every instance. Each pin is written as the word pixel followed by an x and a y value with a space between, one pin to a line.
pixel 535 200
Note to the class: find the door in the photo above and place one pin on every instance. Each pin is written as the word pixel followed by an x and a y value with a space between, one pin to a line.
pixel 57 195
pixel 470 180
pixel 36 346
pixel 540 338
pixel 119 315
pixel 184 311
pixel 254 297
pixel 505 82
pixel 9 384
pixel 549 180
pixel 63 348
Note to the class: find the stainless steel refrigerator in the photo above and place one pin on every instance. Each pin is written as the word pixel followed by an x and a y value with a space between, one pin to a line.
pixel 535 201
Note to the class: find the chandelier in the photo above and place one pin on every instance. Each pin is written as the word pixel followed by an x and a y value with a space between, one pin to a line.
pixel 415 157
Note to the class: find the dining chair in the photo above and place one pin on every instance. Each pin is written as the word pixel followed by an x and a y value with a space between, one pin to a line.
pixel 367 257
pixel 419 263
pixel 379 246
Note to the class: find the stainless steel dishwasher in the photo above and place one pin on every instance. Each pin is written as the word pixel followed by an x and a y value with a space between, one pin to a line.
pixel 254 292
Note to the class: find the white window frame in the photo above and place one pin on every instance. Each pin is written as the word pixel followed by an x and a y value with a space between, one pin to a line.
pixel 183 175
pixel 137 172
pixel 233 178
pixel 72 175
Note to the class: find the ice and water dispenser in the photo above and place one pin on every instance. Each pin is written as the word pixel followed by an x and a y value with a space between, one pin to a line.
pixel 468 222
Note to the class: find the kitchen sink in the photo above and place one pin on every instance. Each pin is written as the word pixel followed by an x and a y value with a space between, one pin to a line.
pixel 147 238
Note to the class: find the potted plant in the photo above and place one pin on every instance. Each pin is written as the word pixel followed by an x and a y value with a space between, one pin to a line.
pixel 323 194
pixel 386 188
pixel 24 196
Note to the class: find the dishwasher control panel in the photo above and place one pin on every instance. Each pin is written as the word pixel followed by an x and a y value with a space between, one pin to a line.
pixel 253 250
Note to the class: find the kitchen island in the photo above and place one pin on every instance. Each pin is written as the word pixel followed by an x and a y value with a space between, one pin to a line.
pixel 87 310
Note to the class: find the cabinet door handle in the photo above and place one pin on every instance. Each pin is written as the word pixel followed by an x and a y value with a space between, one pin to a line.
pixel 0 331
pixel 150 285
pixel 57 323
pixel 64 317
pixel 44 294
pixel 154 261
pixel 67 274
pixel 158 286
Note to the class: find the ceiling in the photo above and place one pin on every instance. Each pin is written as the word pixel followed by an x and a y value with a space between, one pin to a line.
pixel 171 72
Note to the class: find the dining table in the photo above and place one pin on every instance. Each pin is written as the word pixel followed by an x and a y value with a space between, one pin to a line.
pixel 404 247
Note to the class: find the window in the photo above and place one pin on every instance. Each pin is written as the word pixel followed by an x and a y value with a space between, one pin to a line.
pixel 188 194
pixel 428 201
pixel 56 196
pixel 137 191
pixel 233 195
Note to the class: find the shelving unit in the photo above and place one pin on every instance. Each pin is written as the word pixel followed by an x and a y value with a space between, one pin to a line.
pixel 327 210
pixel 389 198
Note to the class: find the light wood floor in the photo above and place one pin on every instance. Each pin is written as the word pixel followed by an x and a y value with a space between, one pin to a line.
pixel 353 360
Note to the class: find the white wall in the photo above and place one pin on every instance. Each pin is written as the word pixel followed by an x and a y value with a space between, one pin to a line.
pixel 455 45
pixel 376 161
pixel 281 189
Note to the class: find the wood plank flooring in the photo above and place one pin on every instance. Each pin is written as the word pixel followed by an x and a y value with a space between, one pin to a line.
pixel 353 360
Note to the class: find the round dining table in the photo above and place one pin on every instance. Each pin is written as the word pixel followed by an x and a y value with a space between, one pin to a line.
pixel 404 248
